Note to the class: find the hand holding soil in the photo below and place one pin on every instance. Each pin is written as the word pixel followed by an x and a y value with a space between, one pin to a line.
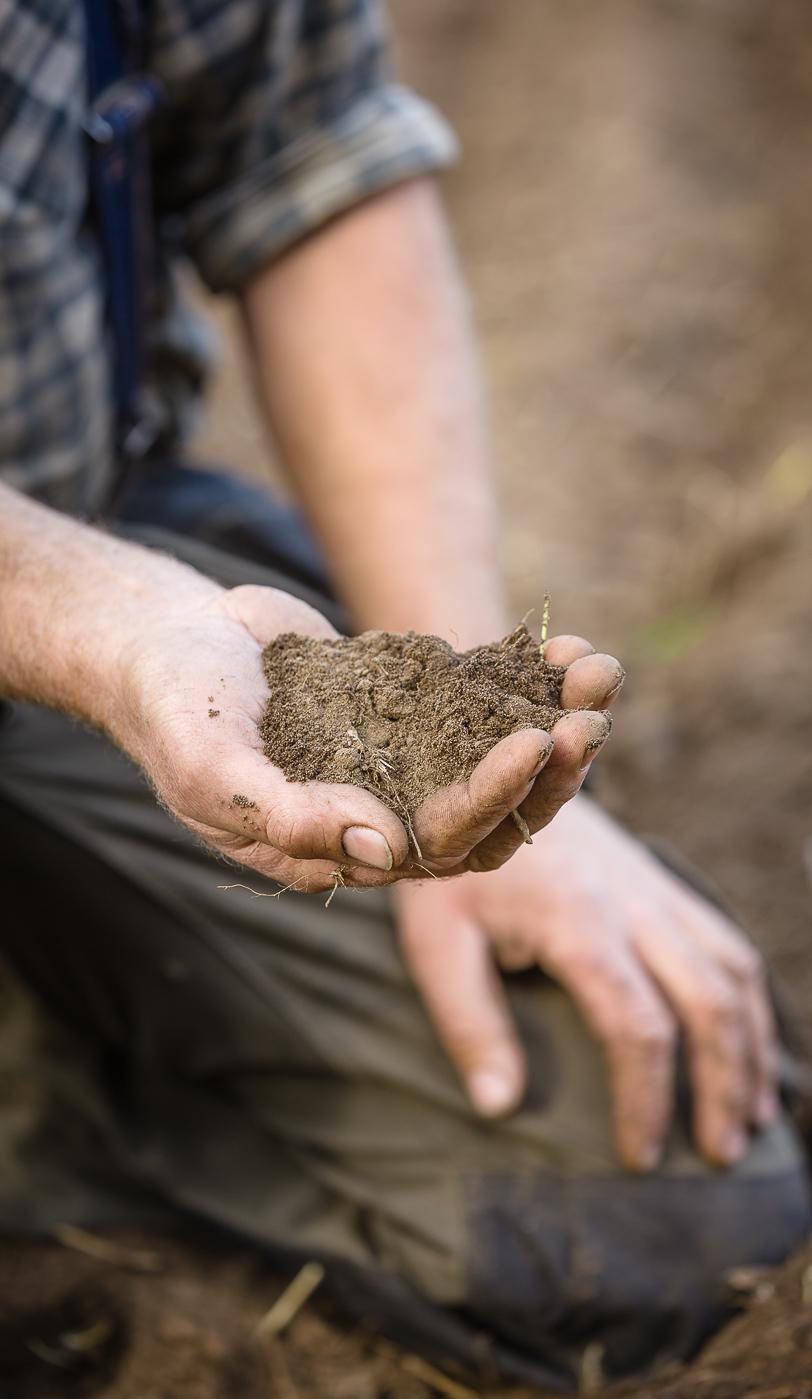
pixel 453 743
pixel 200 695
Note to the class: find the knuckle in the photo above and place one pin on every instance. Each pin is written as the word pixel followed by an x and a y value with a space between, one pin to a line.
pixel 515 952
pixel 280 829
pixel 649 1031
pixel 294 832
pixel 747 964
pixel 717 1006
pixel 480 860
pixel 588 963
pixel 591 962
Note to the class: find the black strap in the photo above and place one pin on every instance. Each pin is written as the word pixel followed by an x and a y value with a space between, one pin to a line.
pixel 121 100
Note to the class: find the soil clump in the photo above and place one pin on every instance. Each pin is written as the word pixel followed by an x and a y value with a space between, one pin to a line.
pixel 400 714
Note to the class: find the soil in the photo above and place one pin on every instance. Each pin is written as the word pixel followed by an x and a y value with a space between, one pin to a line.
pixel 635 214
pixel 179 1321
pixel 401 715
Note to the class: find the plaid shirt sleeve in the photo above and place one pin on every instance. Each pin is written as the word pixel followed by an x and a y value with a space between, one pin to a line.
pixel 280 115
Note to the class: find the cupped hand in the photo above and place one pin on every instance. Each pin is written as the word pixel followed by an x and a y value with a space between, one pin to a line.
pixel 195 693
pixel 645 958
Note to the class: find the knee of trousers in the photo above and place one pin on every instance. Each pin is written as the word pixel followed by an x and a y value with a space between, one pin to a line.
pixel 618 1271
pixel 562 1263
pixel 562 1250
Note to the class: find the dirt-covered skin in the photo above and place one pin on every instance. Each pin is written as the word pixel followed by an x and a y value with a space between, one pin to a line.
pixel 401 715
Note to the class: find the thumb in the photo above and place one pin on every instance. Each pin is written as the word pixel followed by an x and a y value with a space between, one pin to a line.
pixel 453 968
pixel 267 612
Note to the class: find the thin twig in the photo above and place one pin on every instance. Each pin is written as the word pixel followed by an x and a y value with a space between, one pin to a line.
pixel 291 1301
pixel 414 1365
pixel 140 1260
pixel 545 624
pixel 522 826
pixel 591 1377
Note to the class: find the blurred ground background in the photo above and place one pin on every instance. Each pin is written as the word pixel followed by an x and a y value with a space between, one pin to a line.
pixel 635 213
pixel 634 209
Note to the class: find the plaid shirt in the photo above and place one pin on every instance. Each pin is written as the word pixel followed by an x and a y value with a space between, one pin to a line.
pixel 280 114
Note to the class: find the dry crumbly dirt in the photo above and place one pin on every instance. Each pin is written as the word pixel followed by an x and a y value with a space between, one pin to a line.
pixel 401 715
pixel 635 211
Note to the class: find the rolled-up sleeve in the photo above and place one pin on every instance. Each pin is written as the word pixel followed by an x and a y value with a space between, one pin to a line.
pixel 279 116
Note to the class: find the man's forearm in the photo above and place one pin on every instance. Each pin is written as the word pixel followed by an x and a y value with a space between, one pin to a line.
pixel 71 600
pixel 367 369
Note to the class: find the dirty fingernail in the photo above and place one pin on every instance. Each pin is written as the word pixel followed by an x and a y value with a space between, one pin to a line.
pixel 367 846
pixel 595 744
pixel 543 758
pixel 539 766
pixel 618 685
pixel 491 1092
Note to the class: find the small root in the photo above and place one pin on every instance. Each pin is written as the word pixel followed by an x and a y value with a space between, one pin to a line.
pixel 261 894
pixel 522 827
pixel 339 882
pixel 407 821
pixel 139 1260
pixel 337 876
pixel 443 1384
pixel 290 1303
pixel 382 771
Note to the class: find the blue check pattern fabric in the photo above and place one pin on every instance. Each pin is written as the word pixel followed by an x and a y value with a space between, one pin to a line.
pixel 279 115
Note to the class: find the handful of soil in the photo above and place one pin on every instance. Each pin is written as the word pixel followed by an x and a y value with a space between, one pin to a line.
pixel 400 715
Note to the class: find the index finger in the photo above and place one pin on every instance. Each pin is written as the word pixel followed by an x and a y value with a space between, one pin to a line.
pixel 454 971
pixel 450 822
pixel 637 1031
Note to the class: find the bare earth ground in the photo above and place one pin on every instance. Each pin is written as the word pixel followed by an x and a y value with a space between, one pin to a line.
pixel 635 211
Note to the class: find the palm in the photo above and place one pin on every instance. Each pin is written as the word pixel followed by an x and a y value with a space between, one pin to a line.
pixel 202 693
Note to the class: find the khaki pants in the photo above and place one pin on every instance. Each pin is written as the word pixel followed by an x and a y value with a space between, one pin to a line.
pixel 266 1065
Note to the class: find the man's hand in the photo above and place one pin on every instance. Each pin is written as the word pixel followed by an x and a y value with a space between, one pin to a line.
pixel 643 956
pixel 169 665
pixel 195 693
